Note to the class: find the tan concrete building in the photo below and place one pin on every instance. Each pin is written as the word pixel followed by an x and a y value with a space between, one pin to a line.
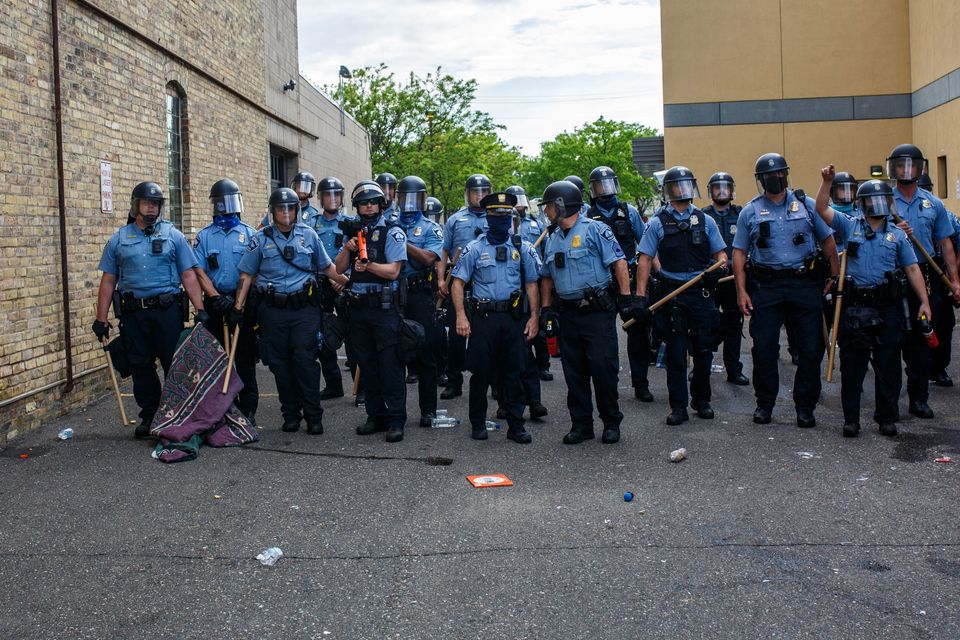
pixel 816 80
pixel 178 92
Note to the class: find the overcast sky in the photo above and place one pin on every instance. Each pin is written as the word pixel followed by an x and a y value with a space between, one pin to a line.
pixel 542 67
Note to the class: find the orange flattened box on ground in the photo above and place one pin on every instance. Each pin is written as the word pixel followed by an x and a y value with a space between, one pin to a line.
pixel 490 480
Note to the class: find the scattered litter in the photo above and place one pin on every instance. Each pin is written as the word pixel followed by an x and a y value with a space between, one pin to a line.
pixel 862 478
pixel 269 557
pixel 89 419
pixel 66 434
pixel 922 612
pixel 491 425
pixel 155 454
pixel 807 455
pixel 24 456
pixel 627 497
pixel 216 497
pixel 678 455
pixel 944 459
pixel 295 507
pixel 769 438
pixel 491 480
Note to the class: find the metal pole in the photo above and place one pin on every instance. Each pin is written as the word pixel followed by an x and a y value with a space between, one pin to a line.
pixel 343 122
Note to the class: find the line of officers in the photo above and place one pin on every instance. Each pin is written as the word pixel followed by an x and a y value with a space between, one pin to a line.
pixel 390 281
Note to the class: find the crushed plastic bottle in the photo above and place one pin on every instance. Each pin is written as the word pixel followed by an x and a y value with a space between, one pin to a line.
pixel 716 368
pixel 444 422
pixel 269 557
pixel 66 434
pixel 441 413
pixel 491 425
pixel 678 455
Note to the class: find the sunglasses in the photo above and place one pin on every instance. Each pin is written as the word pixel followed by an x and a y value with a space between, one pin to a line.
pixel 367 203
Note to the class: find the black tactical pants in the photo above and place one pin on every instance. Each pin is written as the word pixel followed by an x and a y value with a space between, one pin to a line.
pixel 731 327
pixel 588 351
pixel 496 348
pixel 288 343
pixel 245 360
pixel 946 320
pixel 916 353
pixel 149 335
pixel 688 324
pixel 329 366
pixel 638 344
pixel 421 307
pixel 456 349
pixel 375 340
pixel 859 344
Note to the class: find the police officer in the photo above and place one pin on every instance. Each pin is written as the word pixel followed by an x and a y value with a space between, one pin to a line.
pixel 945 316
pixel 577 295
pixel 419 281
pixel 303 184
pixel 722 190
pixel 778 231
pixel 374 310
pixel 388 183
pixel 926 219
pixel 685 239
pixel 460 229
pixel 434 210
pixel 872 326
pixel 327 226
pixel 286 259
pixel 219 248
pixel 627 228
pixel 502 272
pixel 145 262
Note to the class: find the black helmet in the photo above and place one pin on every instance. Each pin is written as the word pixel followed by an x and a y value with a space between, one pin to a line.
pixel 411 195
pixel 906 163
pixel 876 199
pixel 479 186
pixel 576 181
pixel 679 184
pixel 767 171
pixel 284 199
pixel 225 198
pixel 146 191
pixel 303 183
pixel 603 183
pixel 521 195
pixel 387 182
pixel 330 191
pixel 368 190
pixel 843 189
pixel 925 182
pixel 434 209
pixel 566 197
pixel 721 187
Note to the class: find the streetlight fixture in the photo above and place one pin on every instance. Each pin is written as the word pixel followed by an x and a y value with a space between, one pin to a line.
pixel 344 73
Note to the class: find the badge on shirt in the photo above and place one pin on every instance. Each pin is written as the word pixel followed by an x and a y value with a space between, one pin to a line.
pixel 890 237
pixel 575 242
pixel 926 204
pixel 417 231
pixel 243 238
pixel 516 255
pixel 794 206
pixel 376 235
pixel 733 229
pixel 694 221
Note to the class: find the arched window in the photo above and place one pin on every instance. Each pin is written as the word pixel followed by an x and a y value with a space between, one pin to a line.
pixel 176 152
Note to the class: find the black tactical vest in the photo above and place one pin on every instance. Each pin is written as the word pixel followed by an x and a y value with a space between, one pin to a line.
pixel 619 222
pixel 685 246
pixel 727 221
pixel 376 242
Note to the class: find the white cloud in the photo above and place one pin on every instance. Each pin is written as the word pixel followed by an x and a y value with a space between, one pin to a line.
pixel 542 67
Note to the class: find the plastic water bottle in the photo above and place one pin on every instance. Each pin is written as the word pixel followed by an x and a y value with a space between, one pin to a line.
pixel 269 557
pixel 66 434
pixel 320 339
pixel 491 425
pixel 444 422
pixel 441 413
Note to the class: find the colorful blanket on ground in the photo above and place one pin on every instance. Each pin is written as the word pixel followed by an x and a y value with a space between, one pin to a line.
pixel 192 409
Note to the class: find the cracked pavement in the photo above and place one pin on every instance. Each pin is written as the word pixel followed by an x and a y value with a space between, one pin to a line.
pixel 748 537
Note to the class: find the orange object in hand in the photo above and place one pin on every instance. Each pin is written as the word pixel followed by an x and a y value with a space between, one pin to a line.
pixel 362 247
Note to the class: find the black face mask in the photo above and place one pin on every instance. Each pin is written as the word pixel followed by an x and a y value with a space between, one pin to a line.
pixel 498 229
pixel 774 184
pixel 369 221
pixel 149 224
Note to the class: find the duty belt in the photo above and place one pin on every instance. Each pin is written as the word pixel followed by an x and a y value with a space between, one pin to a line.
pixel 492 306
pixel 384 299
pixel 762 273
pixel 885 293
pixel 421 281
pixel 129 304
pixel 294 300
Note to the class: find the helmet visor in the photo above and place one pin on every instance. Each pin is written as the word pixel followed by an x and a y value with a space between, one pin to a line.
pixel 474 195
pixel 227 205
pixel 604 187
pixel 522 201
pixel 905 169
pixel 411 201
pixel 877 206
pixel 681 190
pixel 722 191
pixel 304 188
pixel 843 193
pixel 285 214
pixel 331 200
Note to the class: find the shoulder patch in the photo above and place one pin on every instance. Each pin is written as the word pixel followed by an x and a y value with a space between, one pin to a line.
pixel 606 232
pixel 253 244
pixel 399 236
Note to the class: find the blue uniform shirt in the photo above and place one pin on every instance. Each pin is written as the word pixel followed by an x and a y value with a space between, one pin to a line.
pixel 265 260
pixel 589 249
pixel 394 250
pixel 636 222
pixel 493 279
pixel 219 253
pixel 927 216
pixel 530 230
pixel 654 236
pixel 462 228
pixel 788 220
pixel 886 250
pixel 328 231
pixel 390 214
pixel 424 234
pixel 130 256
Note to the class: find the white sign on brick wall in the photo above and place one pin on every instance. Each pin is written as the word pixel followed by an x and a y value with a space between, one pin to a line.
pixel 106 187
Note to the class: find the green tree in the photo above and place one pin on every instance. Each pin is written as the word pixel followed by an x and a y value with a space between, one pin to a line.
pixel 602 142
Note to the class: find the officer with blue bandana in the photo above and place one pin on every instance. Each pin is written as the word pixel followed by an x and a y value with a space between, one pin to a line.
pixel 219 247
pixel 286 258
pixel 460 229
pixel 872 326
pixel 388 183
pixel 945 316
pixel 582 298
pixel 503 273
pixel 374 310
pixel 687 241
pixel 926 219
pixel 627 228
pixel 779 232
pixel 143 264
pixel 419 281
pixel 722 190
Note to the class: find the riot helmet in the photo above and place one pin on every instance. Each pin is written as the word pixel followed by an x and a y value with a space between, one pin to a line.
pixel 521 196
pixel 576 181
pixel 284 207
pixel 722 188
pixel 561 199
pixel 368 192
pixel 225 198
pixel 330 190
pixel 843 189
pixel 925 182
pixel 146 202
pixel 772 173
pixel 303 184
pixel 679 184
pixel 603 183
pixel 876 199
pixel 387 182
pixel 434 209
pixel 906 164
pixel 478 187
pixel 411 195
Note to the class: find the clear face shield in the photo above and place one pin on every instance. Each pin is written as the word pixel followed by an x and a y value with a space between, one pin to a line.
pixel 390 191
pixel 227 205
pixel 473 196
pixel 522 203
pixel 681 190
pixel 331 200
pixel 722 191
pixel 905 169
pixel 843 193
pixel 877 206
pixel 286 214
pixel 604 188
pixel 410 202
pixel 304 189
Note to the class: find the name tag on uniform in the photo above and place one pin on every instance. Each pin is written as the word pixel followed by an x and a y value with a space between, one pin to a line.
pixel 376 235
pixel 484 256
pixel 575 242
pixel 417 231
pixel 243 238
pixel 764 212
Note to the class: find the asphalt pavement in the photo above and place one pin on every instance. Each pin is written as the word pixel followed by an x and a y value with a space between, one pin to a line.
pixel 762 532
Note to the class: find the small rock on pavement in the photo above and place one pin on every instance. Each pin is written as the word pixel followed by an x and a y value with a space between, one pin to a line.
pixel 678 455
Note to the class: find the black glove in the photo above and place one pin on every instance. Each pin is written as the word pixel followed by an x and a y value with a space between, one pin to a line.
pixel 201 317
pixel 549 318
pixel 712 279
pixel 234 317
pixel 639 310
pixel 222 304
pixel 101 330
pixel 625 306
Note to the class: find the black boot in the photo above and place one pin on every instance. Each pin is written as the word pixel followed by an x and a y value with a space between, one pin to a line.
pixel 805 419
pixel 762 415
pixel 291 425
pixel 851 430
pixel 611 435
pixel 576 436
pixel 330 391
pixel 394 434
pixel 537 411
pixel 369 427
pixel 642 392
pixel 426 420
pixel 921 410
pixel 678 415
pixel 451 392
pixel 888 429
pixel 519 435
pixel 738 379
pixel 703 409
pixel 478 433
pixel 315 428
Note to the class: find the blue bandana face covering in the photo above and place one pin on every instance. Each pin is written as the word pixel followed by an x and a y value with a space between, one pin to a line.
pixel 608 202
pixel 843 208
pixel 410 218
pixel 498 229
pixel 226 222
